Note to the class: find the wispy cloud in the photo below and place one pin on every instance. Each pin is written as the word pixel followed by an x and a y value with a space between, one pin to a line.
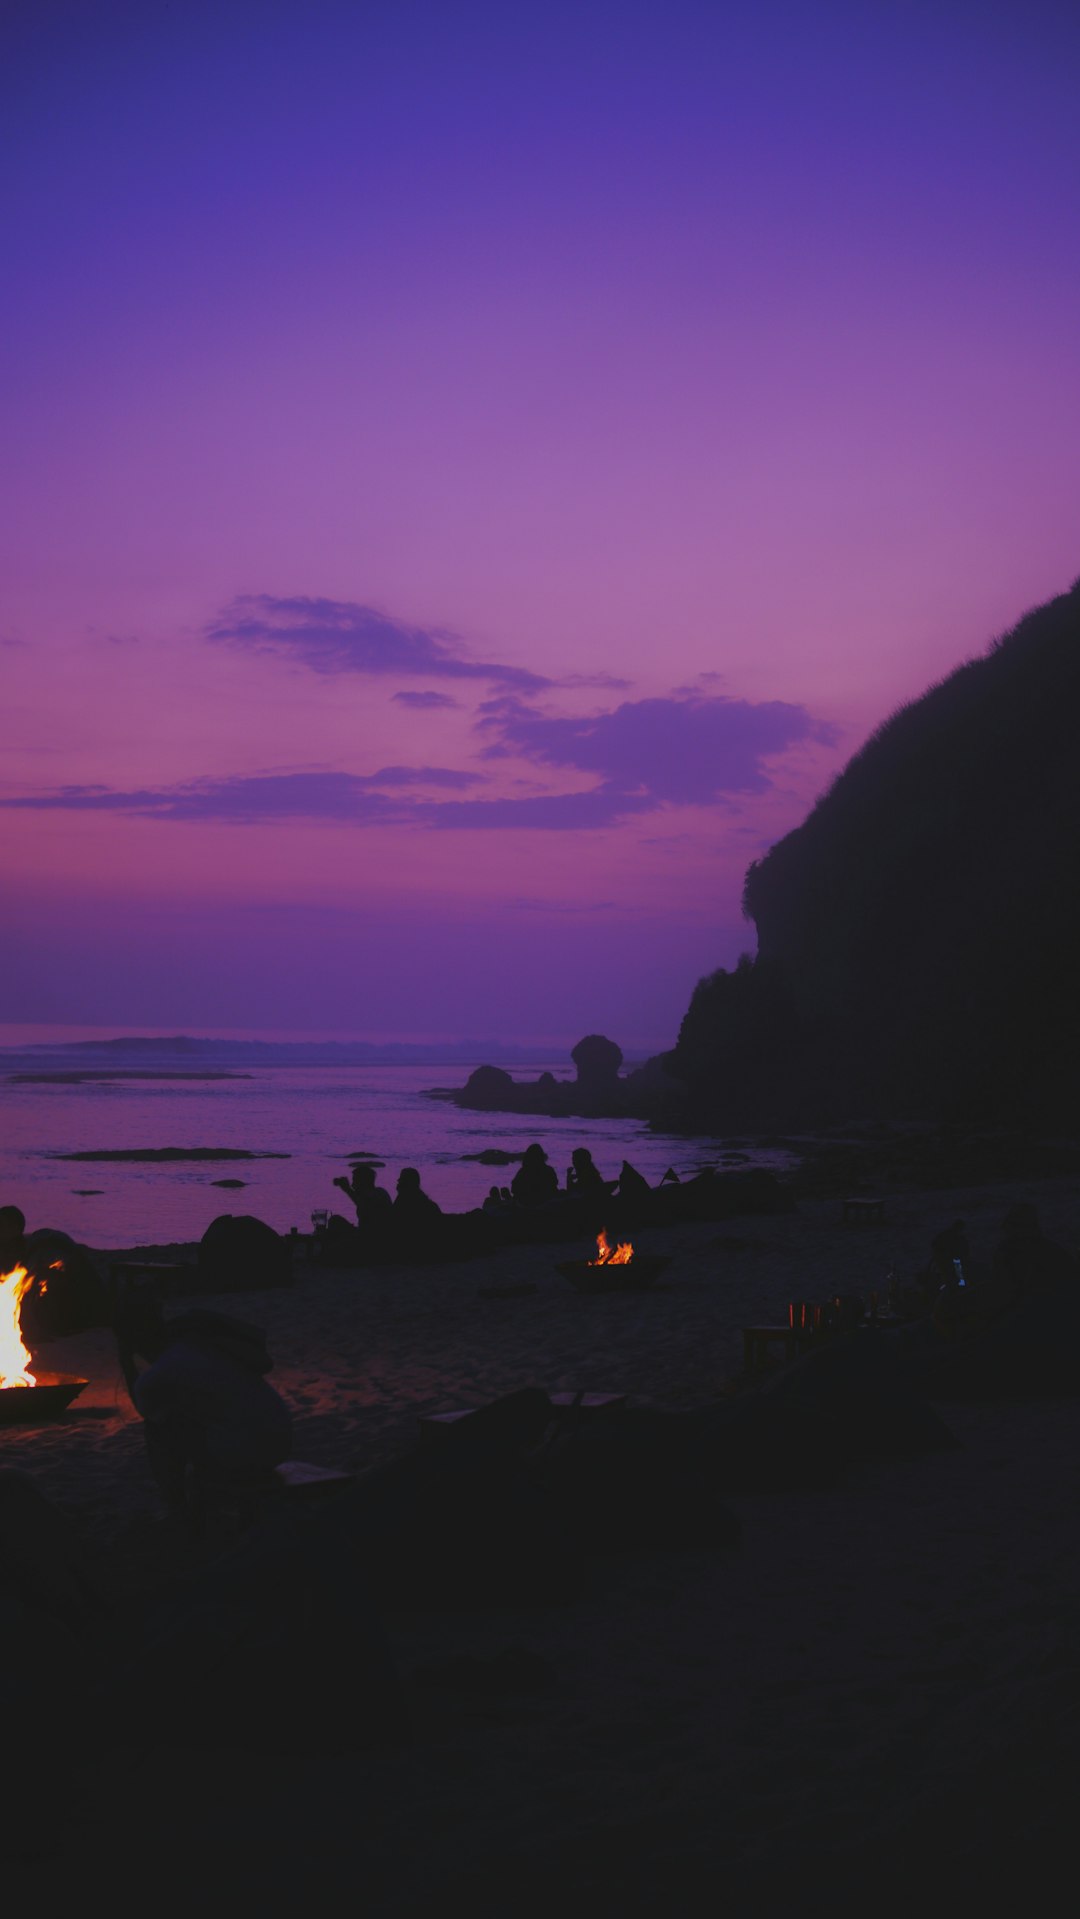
pixel 340 636
pixel 604 682
pixel 427 702
pixel 686 751
pixel 350 799
pixel 545 812
pixel 639 758
pixel 450 776
pixel 362 799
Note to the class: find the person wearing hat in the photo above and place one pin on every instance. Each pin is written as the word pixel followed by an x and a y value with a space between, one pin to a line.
pixel 374 1206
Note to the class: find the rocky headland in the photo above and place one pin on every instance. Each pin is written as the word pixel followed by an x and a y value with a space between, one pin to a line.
pixel 918 936
pixel 918 940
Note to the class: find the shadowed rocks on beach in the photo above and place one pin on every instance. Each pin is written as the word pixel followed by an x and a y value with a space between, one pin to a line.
pixel 241 1252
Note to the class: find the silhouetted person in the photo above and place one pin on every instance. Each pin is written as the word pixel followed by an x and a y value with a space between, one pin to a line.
pixel 209 1416
pixel 412 1203
pixel 65 1294
pixel 417 1219
pixel 535 1183
pixel 497 1201
pixel 583 1176
pixel 374 1206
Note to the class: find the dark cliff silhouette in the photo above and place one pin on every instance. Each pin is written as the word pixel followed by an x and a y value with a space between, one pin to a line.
pixel 919 933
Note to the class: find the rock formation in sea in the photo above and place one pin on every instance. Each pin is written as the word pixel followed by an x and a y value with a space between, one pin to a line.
pixel 597 1061
pixel 597 1091
pixel 918 936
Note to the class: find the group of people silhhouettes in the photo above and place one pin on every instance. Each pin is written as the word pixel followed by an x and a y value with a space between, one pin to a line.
pixel 533 1206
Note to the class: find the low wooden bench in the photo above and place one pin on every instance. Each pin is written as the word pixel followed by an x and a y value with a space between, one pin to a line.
pixel 864 1212
pixel 759 1342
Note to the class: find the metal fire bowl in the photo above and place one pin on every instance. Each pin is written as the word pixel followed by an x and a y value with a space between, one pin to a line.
pixel 636 1276
pixel 20 1405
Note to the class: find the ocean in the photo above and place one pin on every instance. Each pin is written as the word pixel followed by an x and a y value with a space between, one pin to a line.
pixel 317 1115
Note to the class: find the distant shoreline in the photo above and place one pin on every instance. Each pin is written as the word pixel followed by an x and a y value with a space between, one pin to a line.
pixel 99 1076
pixel 179 1050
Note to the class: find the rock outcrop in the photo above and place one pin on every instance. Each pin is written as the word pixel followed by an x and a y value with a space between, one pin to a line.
pixel 238 1253
pixel 919 933
pixel 598 1091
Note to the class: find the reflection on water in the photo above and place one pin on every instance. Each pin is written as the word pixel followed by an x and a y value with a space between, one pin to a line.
pixel 318 1115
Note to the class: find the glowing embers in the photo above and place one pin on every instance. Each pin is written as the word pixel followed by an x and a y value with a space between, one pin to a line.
pixel 616 1269
pixel 608 1255
pixel 14 1357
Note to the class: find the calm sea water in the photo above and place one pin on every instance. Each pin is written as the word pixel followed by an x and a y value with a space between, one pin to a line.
pixel 317 1115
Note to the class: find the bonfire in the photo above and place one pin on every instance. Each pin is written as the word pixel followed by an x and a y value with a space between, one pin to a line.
pixel 616 1269
pixel 14 1357
pixel 25 1391
pixel 608 1255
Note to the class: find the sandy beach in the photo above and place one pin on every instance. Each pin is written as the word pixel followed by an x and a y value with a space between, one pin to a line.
pixel 874 1694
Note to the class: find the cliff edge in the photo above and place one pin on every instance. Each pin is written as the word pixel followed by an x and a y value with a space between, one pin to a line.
pixel 919 933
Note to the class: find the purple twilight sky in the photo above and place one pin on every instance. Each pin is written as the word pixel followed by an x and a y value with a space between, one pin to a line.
pixel 472 474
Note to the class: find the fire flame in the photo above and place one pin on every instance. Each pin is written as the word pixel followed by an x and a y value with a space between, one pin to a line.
pixel 607 1255
pixel 14 1358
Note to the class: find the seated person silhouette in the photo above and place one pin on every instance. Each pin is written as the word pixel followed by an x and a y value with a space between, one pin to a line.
pixel 412 1203
pixel 416 1215
pixel 583 1176
pixel 210 1418
pixel 535 1183
pixel 374 1206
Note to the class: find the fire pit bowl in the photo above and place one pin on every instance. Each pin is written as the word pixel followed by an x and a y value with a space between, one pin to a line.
pixel 635 1276
pixel 51 1394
